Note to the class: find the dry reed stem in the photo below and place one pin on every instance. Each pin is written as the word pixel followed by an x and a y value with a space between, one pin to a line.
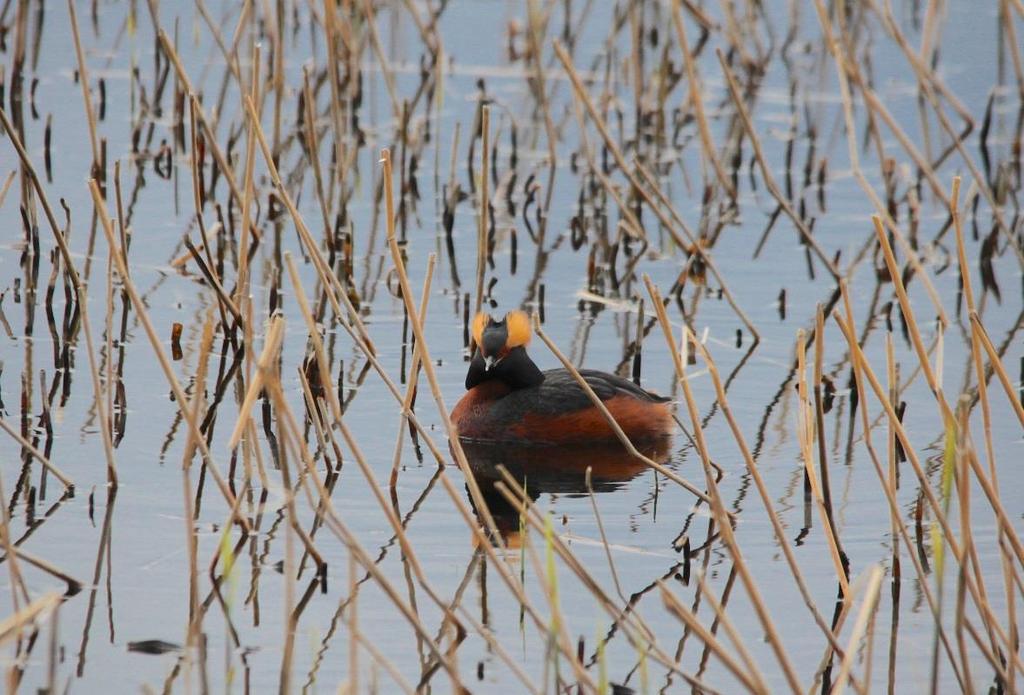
pixel 414 373
pixel 888 482
pixel 706 142
pixel 230 59
pixel 276 31
pixel 694 245
pixel 251 450
pixel 870 605
pixel 388 665
pixel 211 266
pixel 535 35
pixel 209 130
pixel 976 353
pixel 919 62
pixel 13 625
pixel 83 80
pixel 101 411
pixel 755 474
pixel 909 450
pixel 191 542
pixel 1007 24
pixel 7 186
pixel 39 563
pixel 838 622
pixel 997 365
pixel 267 358
pixel 323 432
pixel 492 643
pixel 291 616
pixel 731 631
pixel 610 419
pixel 80 295
pixel 595 115
pixel 17 583
pixel 876 106
pixel 429 35
pixel 993 659
pixel 516 495
pixel 388 510
pixel 179 394
pixel 330 394
pixel 766 173
pixel 217 581
pixel 333 290
pixel 65 252
pixel 630 224
pixel 184 258
pixel 961 477
pixel 549 587
pixel 1007 562
pixel 339 528
pixel 676 607
pixel 242 298
pixel 39 456
pixel 385 66
pixel 926 78
pixel 501 565
pixel 267 368
pixel 963 481
pixel 330 31
pixel 1002 517
pixel 52 652
pixel 331 284
pixel 806 435
pixel 510 489
pixel 484 214
pixel 718 508
pixel 313 155
pixel 421 343
pixel 940 517
pixel 852 152
pixel 908 315
pixel 497 562
pixel 604 538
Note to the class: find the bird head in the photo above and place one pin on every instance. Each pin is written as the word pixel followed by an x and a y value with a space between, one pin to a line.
pixel 496 338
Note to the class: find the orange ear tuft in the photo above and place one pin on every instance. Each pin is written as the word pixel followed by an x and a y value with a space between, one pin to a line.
pixel 519 332
pixel 480 322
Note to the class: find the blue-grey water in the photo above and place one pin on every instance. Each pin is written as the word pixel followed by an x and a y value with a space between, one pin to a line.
pixel 129 549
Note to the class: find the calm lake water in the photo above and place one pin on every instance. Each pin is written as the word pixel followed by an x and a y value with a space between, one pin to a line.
pixel 129 550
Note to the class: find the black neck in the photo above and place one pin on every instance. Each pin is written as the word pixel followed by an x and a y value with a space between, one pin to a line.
pixel 516 370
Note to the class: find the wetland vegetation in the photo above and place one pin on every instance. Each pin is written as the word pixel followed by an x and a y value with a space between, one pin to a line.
pixel 242 246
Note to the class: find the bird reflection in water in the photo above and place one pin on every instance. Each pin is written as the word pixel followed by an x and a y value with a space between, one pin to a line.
pixel 553 469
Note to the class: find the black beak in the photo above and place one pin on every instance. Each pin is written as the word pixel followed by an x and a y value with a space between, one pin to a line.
pixel 494 338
